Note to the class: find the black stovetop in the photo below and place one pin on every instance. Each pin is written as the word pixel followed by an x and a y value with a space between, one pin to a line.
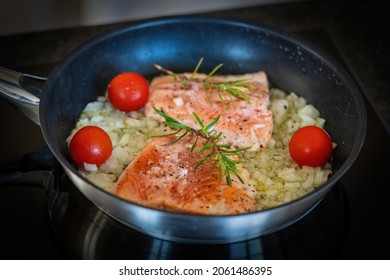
pixel 352 221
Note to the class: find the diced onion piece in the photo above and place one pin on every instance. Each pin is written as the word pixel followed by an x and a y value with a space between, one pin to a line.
pixel 90 167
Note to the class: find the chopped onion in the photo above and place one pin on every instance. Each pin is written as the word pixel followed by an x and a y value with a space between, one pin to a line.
pixel 90 167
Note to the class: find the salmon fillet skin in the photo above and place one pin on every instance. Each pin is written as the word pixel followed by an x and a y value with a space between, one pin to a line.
pixel 243 124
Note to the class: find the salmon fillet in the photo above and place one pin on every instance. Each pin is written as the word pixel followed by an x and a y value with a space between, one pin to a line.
pixel 246 125
pixel 165 177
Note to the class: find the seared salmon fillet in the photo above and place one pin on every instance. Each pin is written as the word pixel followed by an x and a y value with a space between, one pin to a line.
pixel 164 177
pixel 248 124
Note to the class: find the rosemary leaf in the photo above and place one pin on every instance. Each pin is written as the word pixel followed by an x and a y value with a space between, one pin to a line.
pixel 165 116
pixel 177 139
pixel 205 147
pixel 218 136
pixel 198 66
pixel 194 144
pixel 176 125
pixel 224 146
pixel 199 121
pixel 214 71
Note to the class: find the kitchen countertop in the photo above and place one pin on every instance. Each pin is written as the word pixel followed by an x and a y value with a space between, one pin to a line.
pixel 360 28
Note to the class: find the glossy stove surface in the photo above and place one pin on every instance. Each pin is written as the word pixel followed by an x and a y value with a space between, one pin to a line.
pixel 351 222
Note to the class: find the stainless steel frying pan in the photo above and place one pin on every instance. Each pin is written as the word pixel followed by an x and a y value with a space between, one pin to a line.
pixel 177 43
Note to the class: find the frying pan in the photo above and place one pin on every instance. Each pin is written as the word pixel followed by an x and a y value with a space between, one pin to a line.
pixel 178 43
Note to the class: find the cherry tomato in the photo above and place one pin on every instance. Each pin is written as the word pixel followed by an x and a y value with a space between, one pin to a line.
pixel 310 146
pixel 90 144
pixel 128 91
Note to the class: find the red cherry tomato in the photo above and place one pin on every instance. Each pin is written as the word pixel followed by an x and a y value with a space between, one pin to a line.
pixel 90 144
pixel 310 146
pixel 128 91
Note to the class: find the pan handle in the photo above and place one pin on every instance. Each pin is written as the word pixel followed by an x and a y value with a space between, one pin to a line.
pixel 23 91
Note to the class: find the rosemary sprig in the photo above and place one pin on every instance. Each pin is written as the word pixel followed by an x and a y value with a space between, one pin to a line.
pixel 234 89
pixel 219 154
